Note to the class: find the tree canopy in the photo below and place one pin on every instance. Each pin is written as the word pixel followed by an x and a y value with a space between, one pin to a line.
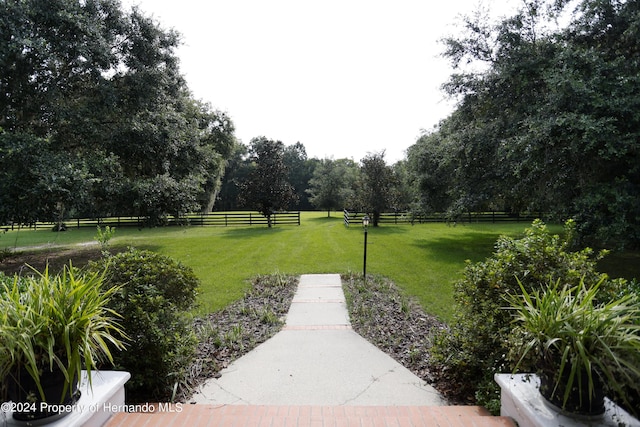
pixel 300 169
pixel 96 119
pixel 550 124
pixel 332 184
pixel 267 188
pixel 376 186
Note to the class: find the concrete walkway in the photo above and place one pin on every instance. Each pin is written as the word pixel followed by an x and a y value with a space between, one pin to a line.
pixel 316 372
pixel 317 359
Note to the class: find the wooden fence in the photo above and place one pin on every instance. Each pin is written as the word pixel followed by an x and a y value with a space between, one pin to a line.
pixel 471 217
pixel 209 219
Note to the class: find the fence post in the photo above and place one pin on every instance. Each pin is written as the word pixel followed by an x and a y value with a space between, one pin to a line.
pixel 346 217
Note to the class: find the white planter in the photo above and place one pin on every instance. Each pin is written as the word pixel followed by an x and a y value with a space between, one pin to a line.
pixel 95 406
pixel 521 400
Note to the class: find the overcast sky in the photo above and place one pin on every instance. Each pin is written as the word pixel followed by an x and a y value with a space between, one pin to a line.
pixel 343 77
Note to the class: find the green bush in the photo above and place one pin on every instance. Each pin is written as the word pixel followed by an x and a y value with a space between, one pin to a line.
pixel 156 292
pixel 474 348
pixel 7 282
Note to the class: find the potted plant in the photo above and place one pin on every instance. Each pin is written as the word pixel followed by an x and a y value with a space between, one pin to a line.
pixel 581 348
pixel 51 328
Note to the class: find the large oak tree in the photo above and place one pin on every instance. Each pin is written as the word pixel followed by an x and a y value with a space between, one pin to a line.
pixel 551 123
pixel 96 119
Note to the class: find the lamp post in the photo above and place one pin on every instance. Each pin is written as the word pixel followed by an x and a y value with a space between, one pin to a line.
pixel 365 224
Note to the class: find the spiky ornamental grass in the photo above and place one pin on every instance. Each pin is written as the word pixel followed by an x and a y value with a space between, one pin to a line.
pixel 567 332
pixel 59 321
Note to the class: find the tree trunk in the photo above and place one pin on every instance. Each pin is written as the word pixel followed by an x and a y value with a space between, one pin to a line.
pixel 376 218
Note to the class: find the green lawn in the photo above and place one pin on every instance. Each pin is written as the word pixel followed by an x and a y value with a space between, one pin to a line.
pixel 423 260
pixel 26 237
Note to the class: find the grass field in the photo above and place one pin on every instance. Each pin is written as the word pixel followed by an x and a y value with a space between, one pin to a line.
pixel 423 260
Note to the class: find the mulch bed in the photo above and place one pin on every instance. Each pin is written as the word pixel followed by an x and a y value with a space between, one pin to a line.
pixel 393 322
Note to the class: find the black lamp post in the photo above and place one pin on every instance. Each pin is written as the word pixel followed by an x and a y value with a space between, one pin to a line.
pixel 365 224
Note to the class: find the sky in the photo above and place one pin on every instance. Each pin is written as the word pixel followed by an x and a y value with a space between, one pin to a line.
pixel 346 78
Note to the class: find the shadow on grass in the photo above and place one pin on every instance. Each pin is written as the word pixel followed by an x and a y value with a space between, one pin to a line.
pixel 621 264
pixel 333 217
pixel 246 232
pixel 453 249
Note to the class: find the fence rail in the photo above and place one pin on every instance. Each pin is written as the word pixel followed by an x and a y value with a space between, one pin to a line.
pixel 209 219
pixel 471 217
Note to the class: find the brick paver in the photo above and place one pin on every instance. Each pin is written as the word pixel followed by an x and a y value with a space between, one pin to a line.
pixel 313 416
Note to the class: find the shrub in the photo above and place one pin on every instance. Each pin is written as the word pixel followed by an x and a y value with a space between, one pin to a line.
pixel 7 282
pixel 155 294
pixel 474 349
pixel 104 236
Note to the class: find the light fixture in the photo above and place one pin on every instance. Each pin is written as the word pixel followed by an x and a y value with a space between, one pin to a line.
pixel 365 224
